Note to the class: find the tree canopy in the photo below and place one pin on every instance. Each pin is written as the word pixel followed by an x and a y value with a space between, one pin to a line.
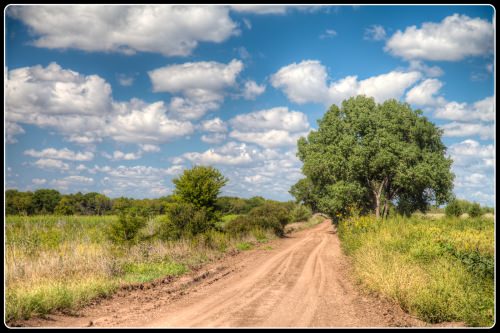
pixel 199 186
pixel 368 155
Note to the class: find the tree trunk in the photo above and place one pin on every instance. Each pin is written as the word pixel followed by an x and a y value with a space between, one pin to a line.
pixel 378 193
pixel 377 207
pixel 386 209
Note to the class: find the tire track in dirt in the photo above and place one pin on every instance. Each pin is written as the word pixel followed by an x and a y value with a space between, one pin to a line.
pixel 298 286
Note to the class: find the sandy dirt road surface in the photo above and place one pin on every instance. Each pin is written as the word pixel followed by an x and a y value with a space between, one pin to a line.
pixel 302 280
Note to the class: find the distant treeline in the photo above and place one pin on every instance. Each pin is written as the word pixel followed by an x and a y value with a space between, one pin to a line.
pixel 49 201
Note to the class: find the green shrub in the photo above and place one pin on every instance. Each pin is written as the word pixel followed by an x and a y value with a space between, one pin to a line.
pixel 300 213
pixel 126 228
pixel 474 210
pixel 184 219
pixel 200 222
pixel 453 208
pixel 259 234
pixel 486 210
pixel 240 225
pixel 270 215
pixel 167 229
pixel 216 240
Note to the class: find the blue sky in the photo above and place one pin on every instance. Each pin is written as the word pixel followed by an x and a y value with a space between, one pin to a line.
pixel 120 99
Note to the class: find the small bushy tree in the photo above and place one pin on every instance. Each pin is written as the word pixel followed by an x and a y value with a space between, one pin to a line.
pixel 184 219
pixel 199 186
pixel 474 210
pixel 126 228
pixel 453 208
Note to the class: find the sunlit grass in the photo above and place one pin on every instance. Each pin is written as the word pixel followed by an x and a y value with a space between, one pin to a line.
pixel 439 270
pixel 63 262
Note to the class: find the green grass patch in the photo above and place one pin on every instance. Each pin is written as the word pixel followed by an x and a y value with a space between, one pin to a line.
pixel 229 217
pixel 24 302
pixel 243 246
pixel 225 219
pixel 440 270
pixel 145 272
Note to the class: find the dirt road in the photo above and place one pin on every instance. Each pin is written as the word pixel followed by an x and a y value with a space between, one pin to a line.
pixel 300 281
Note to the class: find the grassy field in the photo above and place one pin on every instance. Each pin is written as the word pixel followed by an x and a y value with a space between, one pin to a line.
pixel 63 262
pixel 437 269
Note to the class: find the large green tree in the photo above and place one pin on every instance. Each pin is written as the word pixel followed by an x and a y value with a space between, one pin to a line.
pixel 368 155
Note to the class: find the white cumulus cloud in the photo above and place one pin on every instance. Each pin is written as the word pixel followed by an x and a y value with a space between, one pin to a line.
pixel 329 33
pixel 213 137
pixel 482 110
pixel 252 90
pixel 125 80
pixel 231 153
pixel 71 182
pixel 470 151
pixel 81 108
pixel 47 163
pixel 39 181
pixel 11 130
pixel 302 82
pixel 260 9
pixel 424 93
pixel 200 84
pixel 307 82
pixel 119 156
pixel 457 129
pixel 139 122
pixel 270 128
pixel 473 165
pixel 215 125
pixel 168 30
pixel 62 99
pixel 275 118
pixel 61 154
pixel 148 148
pixel 454 38
pixel 139 181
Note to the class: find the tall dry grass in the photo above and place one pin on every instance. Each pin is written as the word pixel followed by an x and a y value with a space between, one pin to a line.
pixel 62 263
pixel 440 270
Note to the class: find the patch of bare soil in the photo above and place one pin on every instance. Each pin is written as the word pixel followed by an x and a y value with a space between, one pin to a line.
pixel 302 280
